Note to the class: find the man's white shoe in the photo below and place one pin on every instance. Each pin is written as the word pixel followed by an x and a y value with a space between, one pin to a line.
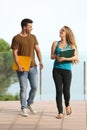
pixel 31 109
pixel 24 112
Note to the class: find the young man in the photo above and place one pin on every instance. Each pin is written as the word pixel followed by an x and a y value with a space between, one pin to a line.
pixel 25 44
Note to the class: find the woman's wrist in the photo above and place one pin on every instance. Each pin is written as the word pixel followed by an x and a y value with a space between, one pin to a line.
pixel 56 57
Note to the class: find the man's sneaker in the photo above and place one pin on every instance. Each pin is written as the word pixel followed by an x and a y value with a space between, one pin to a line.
pixel 31 109
pixel 24 112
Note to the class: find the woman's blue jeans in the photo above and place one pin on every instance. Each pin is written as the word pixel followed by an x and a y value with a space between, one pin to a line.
pixel 23 77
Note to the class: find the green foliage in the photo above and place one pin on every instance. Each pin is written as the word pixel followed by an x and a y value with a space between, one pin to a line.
pixel 6 61
pixel 4 46
pixel 6 58
pixel 7 75
pixel 9 97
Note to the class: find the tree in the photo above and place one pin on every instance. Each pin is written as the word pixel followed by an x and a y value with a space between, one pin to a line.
pixel 6 61
pixel 4 46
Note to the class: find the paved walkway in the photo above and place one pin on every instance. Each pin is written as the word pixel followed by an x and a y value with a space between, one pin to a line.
pixel 10 118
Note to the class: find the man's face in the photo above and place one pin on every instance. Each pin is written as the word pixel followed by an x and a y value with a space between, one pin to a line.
pixel 28 28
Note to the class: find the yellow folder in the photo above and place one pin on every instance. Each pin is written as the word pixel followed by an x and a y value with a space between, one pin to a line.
pixel 24 61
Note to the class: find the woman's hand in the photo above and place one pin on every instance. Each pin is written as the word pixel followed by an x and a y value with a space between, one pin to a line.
pixel 60 59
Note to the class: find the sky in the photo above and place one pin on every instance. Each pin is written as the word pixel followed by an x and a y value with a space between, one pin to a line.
pixel 48 17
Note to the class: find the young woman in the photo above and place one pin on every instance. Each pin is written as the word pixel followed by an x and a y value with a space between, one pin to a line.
pixel 62 68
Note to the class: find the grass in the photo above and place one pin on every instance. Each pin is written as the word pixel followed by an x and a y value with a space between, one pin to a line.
pixel 9 97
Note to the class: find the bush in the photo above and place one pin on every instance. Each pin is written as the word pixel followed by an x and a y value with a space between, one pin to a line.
pixel 9 97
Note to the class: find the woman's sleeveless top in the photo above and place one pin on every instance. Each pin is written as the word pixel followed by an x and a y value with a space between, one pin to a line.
pixel 67 65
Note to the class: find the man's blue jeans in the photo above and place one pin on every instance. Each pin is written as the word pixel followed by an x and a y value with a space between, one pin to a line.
pixel 23 77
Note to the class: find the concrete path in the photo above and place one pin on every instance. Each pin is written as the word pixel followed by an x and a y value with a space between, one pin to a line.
pixel 10 118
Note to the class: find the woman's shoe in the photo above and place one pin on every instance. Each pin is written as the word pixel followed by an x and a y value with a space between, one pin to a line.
pixel 68 110
pixel 59 116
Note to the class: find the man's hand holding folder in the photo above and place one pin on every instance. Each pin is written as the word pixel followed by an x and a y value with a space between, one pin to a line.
pixel 24 62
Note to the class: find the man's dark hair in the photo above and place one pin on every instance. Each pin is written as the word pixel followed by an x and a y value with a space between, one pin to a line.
pixel 24 22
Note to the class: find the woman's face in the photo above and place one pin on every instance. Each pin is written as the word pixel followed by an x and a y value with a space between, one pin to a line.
pixel 62 32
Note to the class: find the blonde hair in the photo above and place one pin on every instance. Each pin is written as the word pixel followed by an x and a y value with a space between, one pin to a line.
pixel 70 37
